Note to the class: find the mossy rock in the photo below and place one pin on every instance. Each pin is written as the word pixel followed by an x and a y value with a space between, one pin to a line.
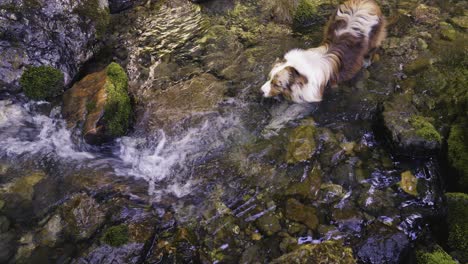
pixel 438 256
pixel 305 14
pixel 116 235
pixel 425 129
pixel 458 152
pixel 457 224
pixel 298 212
pixel 409 183
pixel 331 252
pixel 100 102
pixel 118 106
pixel 301 143
pixel 42 82
pixel 99 15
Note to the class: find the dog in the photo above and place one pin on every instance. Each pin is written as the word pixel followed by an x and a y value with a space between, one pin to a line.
pixel 352 35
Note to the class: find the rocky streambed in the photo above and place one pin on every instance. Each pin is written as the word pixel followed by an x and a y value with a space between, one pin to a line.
pixel 161 149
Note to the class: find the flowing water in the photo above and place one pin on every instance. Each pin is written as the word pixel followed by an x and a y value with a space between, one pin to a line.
pixel 222 169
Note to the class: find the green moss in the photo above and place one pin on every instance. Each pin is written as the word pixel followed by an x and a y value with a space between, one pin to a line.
pixel 91 10
pixel 458 152
pixel 305 12
pixel 42 82
pixel 439 256
pixel 118 106
pixel 116 235
pixel 425 129
pixel 457 223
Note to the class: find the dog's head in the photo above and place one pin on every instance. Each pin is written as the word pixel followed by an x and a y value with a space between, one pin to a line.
pixel 283 79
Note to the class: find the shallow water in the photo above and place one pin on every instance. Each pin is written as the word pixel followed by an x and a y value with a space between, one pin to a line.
pixel 221 168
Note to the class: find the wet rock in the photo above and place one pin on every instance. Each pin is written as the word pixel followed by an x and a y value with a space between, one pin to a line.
pixel 288 244
pixel 409 183
pixel 325 252
pixel 182 101
pixel 82 216
pixel 116 6
pixel 8 246
pixel 58 33
pixel 426 14
pixel 301 213
pixel 4 224
pixel 457 224
pixel 461 21
pixel 268 224
pixel 409 132
pixel 129 253
pixel 458 152
pixel 50 234
pixel 331 193
pixel 301 143
pixel 309 188
pixel 418 65
pixel 24 186
pixel 377 202
pixel 447 31
pixel 383 245
pixel 100 101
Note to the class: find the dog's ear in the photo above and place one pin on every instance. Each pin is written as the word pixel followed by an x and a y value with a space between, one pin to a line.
pixel 295 78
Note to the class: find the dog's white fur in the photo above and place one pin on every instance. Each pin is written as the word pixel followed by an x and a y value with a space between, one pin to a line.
pixel 317 64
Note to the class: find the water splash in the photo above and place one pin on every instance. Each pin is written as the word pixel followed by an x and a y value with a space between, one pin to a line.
pixel 23 133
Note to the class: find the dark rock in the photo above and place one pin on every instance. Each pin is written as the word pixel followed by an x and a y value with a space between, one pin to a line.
pixel 8 245
pixel 383 245
pixel 411 133
pixel 129 253
pixel 82 215
pixel 116 6
pixel 301 213
pixel 53 33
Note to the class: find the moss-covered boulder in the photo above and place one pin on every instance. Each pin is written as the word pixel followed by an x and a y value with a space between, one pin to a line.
pixel 328 252
pixel 458 224
pixel 458 152
pixel 42 82
pixel 268 224
pixel 100 102
pixel 411 133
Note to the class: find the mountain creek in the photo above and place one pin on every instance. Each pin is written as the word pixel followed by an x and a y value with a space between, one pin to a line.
pixel 135 131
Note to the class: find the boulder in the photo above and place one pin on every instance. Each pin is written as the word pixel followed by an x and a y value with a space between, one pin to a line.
pixel 410 133
pixel 328 252
pixel 58 33
pixel 101 103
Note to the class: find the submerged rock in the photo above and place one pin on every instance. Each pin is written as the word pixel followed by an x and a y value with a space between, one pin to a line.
pixel 24 186
pixel 301 143
pixel 82 216
pixel 268 224
pixel 307 215
pixel 328 252
pixel 101 103
pixel 59 33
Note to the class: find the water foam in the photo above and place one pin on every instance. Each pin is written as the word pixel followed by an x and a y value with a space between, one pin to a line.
pixel 23 133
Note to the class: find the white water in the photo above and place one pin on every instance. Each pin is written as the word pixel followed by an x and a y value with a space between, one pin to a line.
pixel 165 163
pixel 23 133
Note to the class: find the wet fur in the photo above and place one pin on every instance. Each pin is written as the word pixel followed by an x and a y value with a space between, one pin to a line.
pixel 353 33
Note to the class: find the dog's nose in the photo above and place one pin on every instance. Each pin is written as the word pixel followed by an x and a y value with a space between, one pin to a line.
pixel 265 89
